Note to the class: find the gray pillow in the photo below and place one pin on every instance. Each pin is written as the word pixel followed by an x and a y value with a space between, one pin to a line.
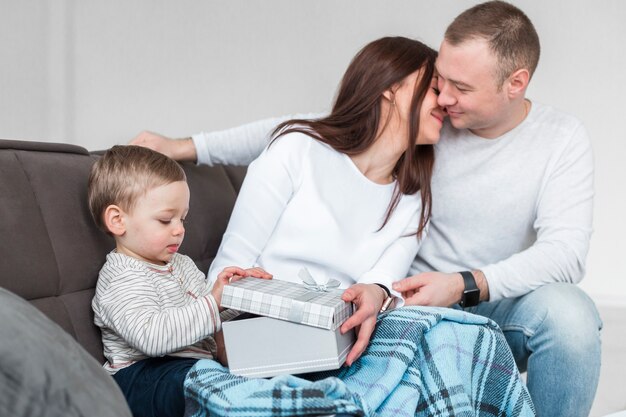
pixel 45 372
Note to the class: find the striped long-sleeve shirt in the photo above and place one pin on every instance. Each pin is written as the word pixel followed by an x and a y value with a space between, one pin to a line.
pixel 146 310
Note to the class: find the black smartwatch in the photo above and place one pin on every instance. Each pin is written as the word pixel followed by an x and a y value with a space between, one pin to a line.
pixel 471 294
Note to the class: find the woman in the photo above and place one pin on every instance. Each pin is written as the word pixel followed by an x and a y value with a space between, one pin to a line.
pixel 347 196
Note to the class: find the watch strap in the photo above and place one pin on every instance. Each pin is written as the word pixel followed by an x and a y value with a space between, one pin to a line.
pixel 384 287
pixel 471 293
pixel 387 302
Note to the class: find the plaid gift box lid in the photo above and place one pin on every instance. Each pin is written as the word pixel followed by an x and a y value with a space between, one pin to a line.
pixel 287 301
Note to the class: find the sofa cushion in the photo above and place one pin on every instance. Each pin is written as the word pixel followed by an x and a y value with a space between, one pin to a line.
pixel 54 252
pixel 51 248
pixel 43 371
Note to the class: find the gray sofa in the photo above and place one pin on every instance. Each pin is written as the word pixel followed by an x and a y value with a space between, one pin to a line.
pixel 51 253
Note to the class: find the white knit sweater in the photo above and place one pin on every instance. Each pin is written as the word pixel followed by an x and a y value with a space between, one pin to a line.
pixel 303 204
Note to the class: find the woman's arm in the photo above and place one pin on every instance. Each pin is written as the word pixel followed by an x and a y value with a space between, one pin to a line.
pixel 368 297
pixel 394 264
pixel 269 184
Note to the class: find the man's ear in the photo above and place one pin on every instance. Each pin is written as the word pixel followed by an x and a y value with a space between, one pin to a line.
pixel 114 220
pixel 517 83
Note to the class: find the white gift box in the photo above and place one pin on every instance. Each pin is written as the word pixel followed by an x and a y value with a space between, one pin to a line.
pixel 291 328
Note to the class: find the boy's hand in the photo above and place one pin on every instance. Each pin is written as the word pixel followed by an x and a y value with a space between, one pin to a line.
pixel 234 273
pixel 258 273
pixel 221 348
pixel 223 278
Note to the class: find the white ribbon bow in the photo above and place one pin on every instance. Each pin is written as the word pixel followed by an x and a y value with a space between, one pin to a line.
pixel 313 284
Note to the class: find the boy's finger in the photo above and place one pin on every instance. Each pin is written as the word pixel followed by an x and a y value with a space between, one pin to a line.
pixel 258 273
pixel 231 270
pixel 235 278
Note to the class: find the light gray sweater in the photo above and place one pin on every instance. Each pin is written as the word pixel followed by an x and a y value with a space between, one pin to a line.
pixel 518 207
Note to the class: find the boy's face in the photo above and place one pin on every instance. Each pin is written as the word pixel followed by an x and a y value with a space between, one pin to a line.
pixel 154 229
pixel 469 90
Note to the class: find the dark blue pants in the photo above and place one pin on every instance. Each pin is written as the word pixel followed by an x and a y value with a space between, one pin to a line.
pixel 154 387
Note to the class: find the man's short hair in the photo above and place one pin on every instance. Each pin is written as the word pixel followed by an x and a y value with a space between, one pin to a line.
pixel 509 32
pixel 125 173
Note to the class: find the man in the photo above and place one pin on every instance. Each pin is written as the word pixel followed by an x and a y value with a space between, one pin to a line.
pixel 512 205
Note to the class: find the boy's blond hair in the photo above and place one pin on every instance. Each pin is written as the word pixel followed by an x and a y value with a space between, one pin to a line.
pixel 125 173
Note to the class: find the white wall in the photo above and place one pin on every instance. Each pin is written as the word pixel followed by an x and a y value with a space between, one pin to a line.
pixel 95 73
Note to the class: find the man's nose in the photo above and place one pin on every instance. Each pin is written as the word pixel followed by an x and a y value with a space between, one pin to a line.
pixel 445 99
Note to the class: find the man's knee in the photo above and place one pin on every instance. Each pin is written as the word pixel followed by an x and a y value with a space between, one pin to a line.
pixel 568 316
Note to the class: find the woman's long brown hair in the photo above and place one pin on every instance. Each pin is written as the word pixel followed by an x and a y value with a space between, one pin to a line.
pixel 353 124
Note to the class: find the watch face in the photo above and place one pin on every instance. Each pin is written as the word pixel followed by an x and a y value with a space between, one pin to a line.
pixel 471 297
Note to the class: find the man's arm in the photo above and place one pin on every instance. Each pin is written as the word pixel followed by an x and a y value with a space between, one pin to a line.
pixel 563 224
pixel 235 146
pixel 438 288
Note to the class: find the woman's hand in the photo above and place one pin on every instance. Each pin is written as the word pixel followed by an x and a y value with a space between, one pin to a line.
pixel 368 299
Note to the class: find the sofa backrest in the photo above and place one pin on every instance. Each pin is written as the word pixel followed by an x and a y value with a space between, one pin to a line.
pixel 51 250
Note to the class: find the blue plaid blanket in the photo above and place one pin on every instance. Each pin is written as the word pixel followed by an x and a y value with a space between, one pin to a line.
pixel 420 362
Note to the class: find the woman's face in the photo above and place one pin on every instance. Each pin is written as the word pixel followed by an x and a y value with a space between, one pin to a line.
pixel 431 115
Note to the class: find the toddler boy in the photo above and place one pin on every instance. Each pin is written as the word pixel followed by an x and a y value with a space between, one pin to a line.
pixel 155 308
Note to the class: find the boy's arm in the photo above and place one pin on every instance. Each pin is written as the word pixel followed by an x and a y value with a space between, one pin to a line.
pixel 131 308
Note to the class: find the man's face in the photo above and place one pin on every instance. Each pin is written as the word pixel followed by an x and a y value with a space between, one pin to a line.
pixel 469 90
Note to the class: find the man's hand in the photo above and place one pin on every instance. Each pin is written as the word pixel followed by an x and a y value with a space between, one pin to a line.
pixel 431 289
pixel 368 299
pixel 177 149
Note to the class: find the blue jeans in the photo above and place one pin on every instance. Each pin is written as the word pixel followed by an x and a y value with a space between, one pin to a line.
pixel 154 387
pixel 554 334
